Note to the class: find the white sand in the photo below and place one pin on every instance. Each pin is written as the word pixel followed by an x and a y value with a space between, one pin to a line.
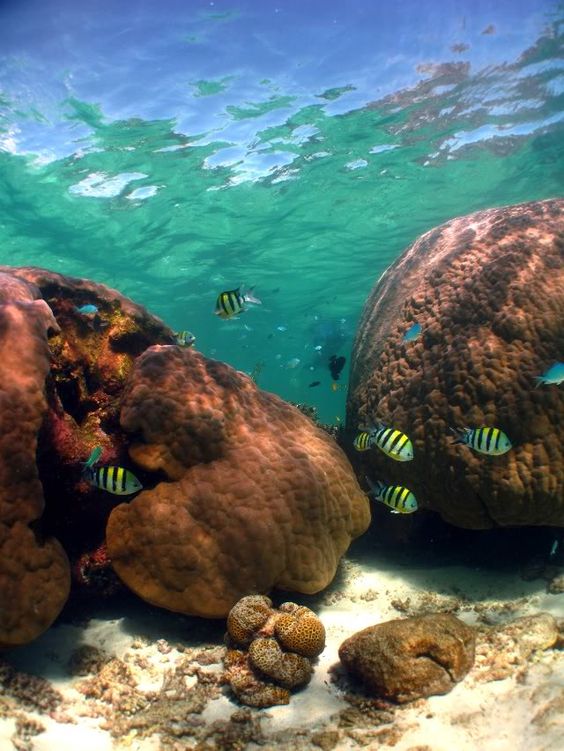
pixel 495 716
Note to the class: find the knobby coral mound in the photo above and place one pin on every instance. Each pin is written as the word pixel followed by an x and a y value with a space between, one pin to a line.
pixel 406 659
pixel 62 373
pixel 488 292
pixel 281 645
pixel 257 496
pixel 34 572
pixel 298 629
pixel 249 494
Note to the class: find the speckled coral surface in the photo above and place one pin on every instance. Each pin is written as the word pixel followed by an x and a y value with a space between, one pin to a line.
pixel 34 572
pixel 488 291
pixel 257 496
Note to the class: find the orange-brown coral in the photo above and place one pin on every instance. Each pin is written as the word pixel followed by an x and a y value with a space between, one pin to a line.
pixel 287 669
pixel 247 617
pixel 488 291
pixel 62 374
pixel 34 572
pixel 409 658
pixel 280 646
pixel 257 496
pixel 299 630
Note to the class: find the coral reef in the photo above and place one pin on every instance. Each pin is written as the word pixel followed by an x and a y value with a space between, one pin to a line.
pixel 406 659
pixel 242 492
pixel 488 292
pixel 255 496
pixel 34 570
pixel 62 374
pixel 280 644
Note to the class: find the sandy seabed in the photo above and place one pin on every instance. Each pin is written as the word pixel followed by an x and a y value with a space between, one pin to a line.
pixel 125 675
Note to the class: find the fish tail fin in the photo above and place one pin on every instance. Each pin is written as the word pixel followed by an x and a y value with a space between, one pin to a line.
pixel 87 471
pixel 459 434
pixel 376 486
pixel 247 295
pixel 539 380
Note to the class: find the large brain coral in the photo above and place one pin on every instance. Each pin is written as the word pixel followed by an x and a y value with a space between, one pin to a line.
pixel 254 496
pixel 34 572
pixel 488 291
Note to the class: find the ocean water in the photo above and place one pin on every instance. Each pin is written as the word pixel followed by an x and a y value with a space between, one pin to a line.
pixel 173 150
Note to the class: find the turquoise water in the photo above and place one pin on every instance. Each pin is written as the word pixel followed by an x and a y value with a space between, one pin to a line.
pixel 176 151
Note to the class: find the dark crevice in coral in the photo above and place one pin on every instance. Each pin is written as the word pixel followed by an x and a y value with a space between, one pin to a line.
pixel 132 343
pixel 68 391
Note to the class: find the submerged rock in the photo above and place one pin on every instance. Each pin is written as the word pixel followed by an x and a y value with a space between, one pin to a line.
pixel 406 659
pixel 488 292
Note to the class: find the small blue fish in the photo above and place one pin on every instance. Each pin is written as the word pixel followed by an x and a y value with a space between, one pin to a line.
pixel 86 310
pixel 554 375
pixel 95 454
pixel 412 333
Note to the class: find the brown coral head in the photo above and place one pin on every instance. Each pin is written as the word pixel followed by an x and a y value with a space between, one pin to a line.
pixel 288 669
pixel 247 617
pixel 247 686
pixel 299 630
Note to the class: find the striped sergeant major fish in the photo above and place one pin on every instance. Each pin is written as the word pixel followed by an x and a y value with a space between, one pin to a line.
pixel 231 302
pixel 490 441
pixel 115 480
pixel 401 500
pixel 184 338
pixel 363 440
pixel 392 442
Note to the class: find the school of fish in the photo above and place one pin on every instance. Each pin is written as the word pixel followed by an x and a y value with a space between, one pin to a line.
pixel 486 440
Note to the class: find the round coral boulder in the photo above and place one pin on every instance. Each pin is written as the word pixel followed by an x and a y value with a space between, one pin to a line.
pixel 488 292
pixel 410 658
pixel 254 495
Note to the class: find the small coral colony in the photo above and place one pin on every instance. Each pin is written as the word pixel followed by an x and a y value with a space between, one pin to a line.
pixel 392 442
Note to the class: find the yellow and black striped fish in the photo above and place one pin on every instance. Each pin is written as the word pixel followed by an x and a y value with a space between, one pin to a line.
pixel 231 302
pixel 392 442
pixel 490 441
pixel 401 500
pixel 184 338
pixel 116 480
pixel 363 440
